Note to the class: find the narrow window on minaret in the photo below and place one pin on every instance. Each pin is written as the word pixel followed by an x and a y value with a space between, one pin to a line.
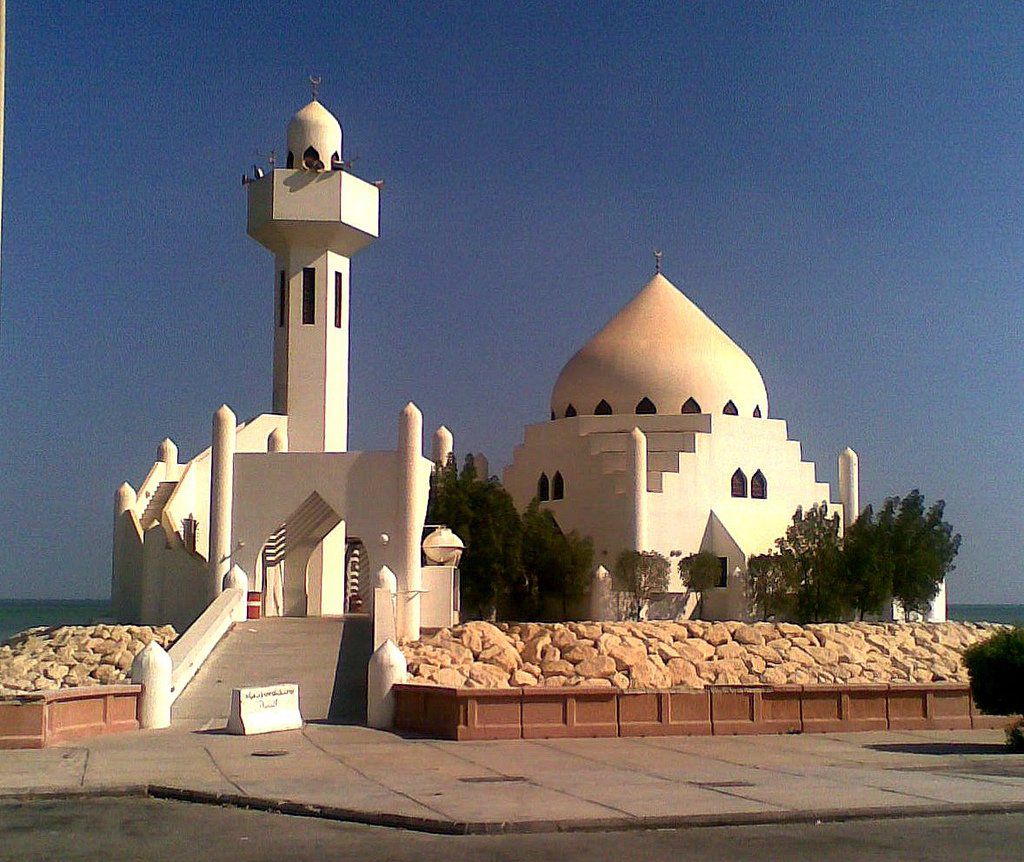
pixel 282 298
pixel 337 300
pixel 308 295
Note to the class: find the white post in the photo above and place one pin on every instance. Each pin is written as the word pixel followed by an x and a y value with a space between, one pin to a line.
pixel 221 489
pixel 444 443
pixel 637 460
pixel 600 594
pixel 167 454
pixel 152 670
pixel 236 579
pixel 385 610
pixel 410 443
pixel 124 501
pixel 278 440
pixel 387 668
pixel 849 486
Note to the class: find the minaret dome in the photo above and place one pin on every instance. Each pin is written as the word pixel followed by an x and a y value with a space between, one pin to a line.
pixel 314 139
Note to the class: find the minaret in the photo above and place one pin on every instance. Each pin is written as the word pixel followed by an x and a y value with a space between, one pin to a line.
pixel 313 215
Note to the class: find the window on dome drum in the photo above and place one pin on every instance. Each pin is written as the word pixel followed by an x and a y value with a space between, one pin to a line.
pixel 552 415
pixel 570 411
pixel 645 405
pixel 290 161
pixel 691 406
pixel 282 298
pixel 757 412
pixel 543 488
pixel 723 571
pixel 337 300
pixel 730 409
pixel 311 160
pixel 308 295
pixel 336 164
pixel 557 487
pixel 739 484
pixel 603 408
pixel 759 486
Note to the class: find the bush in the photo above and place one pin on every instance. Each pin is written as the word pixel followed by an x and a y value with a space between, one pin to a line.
pixel 996 667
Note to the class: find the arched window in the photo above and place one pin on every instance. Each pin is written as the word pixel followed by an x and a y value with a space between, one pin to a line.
pixel 757 412
pixel 691 406
pixel 739 484
pixel 603 408
pixel 552 415
pixel 759 486
pixel 570 411
pixel 290 161
pixel 645 405
pixel 311 160
pixel 336 164
pixel 730 409
pixel 543 488
pixel 557 487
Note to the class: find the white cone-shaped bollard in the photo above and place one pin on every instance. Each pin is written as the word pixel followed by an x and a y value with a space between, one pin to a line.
pixel 152 670
pixel 236 579
pixel 387 668
pixel 386 580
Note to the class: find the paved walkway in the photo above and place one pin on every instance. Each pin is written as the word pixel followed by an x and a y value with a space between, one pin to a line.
pixel 353 773
pixel 279 649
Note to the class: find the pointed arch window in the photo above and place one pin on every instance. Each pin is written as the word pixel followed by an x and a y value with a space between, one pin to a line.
pixel 759 486
pixel 570 411
pixel 290 161
pixel 730 409
pixel 739 484
pixel 543 488
pixel 757 412
pixel 646 406
pixel 557 487
pixel 552 415
pixel 603 408
pixel 691 406
pixel 336 163
pixel 311 160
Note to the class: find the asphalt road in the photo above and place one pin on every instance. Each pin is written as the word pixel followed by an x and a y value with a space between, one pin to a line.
pixel 154 830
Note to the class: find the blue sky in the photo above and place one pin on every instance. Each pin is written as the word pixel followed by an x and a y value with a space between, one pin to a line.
pixel 838 185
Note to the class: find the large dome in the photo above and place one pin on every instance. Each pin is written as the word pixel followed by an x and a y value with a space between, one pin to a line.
pixel 662 354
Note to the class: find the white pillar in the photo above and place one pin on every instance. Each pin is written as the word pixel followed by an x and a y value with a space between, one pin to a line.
pixel 637 465
pixel 600 594
pixel 221 489
pixel 123 607
pixel 937 609
pixel 849 486
pixel 152 670
pixel 444 443
pixel 385 606
pixel 167 454
pixel 236 579
pixel 410 447
pixel 277 441
pixel 387 668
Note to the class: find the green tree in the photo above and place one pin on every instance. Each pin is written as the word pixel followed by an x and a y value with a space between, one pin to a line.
pixel 917 546
pixel 483 515
pixel 805 572
pixel 866 573
pixel 554 563
pixel 700 572
pixel 640 575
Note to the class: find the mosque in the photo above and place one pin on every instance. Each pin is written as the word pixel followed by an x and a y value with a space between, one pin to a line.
pixel 660 438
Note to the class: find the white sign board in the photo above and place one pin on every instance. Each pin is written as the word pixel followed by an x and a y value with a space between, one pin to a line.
pixel 265 709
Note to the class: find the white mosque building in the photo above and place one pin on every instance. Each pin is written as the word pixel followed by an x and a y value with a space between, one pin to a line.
pixel 660 439
pixel 280 495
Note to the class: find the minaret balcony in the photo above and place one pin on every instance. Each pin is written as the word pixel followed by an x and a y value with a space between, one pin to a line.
pixel 333 210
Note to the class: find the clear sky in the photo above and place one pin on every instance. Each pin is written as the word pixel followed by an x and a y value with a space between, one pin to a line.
pixel 838 185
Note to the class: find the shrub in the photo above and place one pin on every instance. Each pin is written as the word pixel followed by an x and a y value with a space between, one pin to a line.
pixel 996 667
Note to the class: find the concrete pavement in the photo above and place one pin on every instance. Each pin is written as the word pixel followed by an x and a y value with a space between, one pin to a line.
pixel 366 776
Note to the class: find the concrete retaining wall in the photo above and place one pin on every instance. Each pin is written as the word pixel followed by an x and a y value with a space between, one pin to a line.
pixel 38 720
pixel 546 713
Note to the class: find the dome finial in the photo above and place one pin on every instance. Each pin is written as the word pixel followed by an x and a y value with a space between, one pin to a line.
pixel 314 83
pixel 657 262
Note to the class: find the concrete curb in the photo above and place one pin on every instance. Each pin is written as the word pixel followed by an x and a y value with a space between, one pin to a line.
pixel 440 826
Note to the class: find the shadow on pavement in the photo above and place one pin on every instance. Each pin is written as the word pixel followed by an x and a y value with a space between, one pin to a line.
pixel 348 699
pixel 941 748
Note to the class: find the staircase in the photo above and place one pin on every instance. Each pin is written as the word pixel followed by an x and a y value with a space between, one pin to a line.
pixel 326 656
pixel 155 507
pixel 663 451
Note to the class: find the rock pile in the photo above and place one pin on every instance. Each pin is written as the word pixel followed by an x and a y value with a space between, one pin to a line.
pixel 45 659
pixel 692 654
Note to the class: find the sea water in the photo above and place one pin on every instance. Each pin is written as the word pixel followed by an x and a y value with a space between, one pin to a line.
pixel 19 614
